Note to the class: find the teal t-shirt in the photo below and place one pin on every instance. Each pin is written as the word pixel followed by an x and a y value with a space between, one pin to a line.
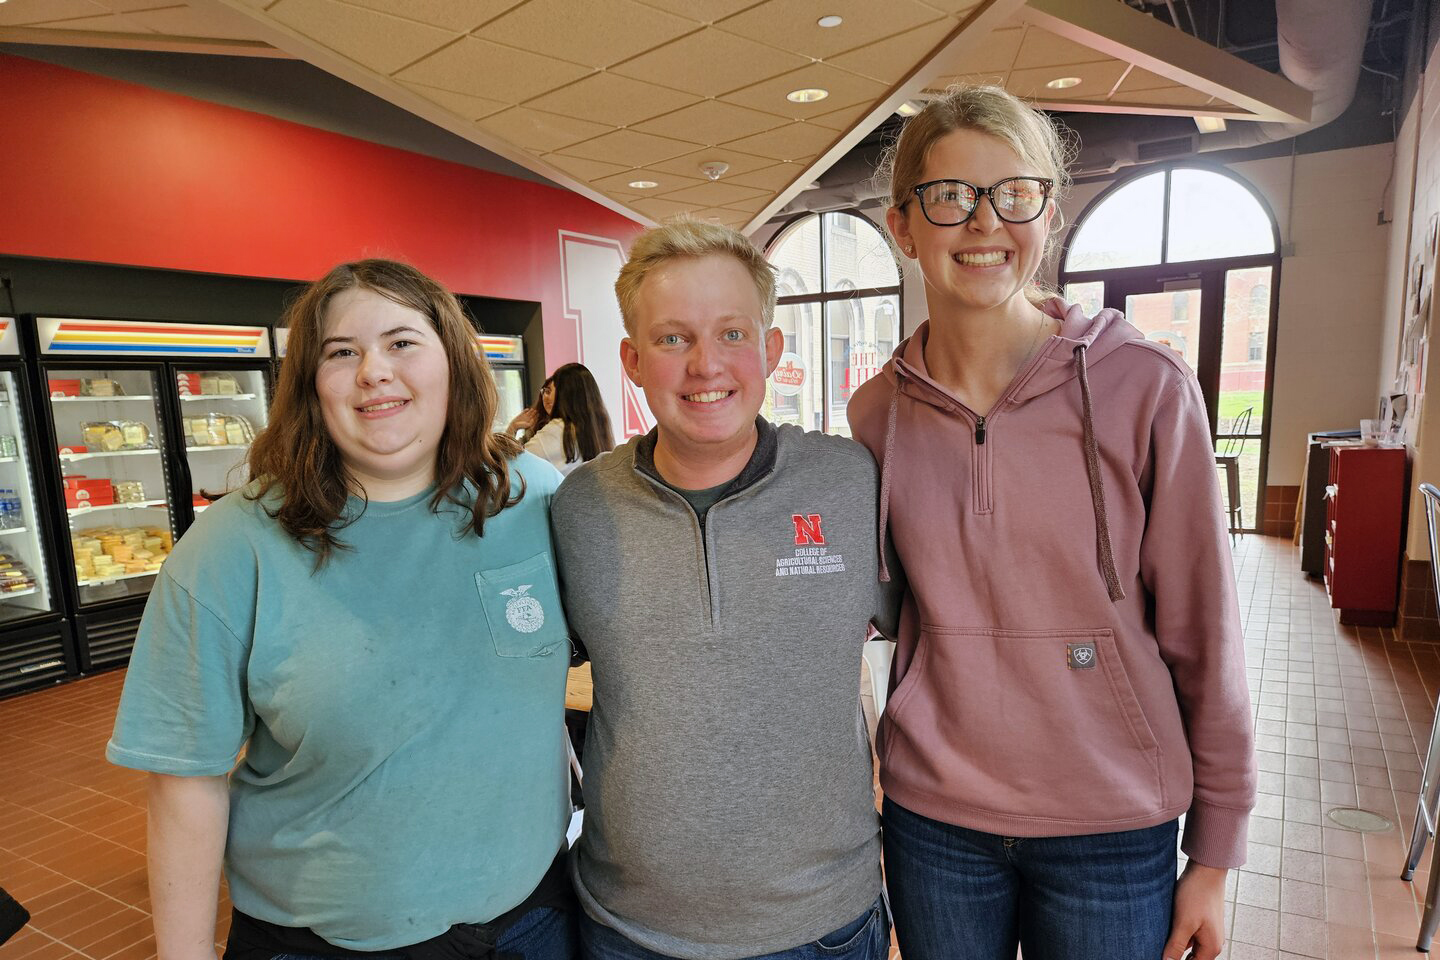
pixel 400 710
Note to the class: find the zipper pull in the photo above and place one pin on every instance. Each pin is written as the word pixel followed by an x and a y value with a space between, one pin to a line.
pixel 980 431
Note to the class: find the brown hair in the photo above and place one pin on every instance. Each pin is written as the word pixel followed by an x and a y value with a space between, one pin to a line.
pixel 686 237
pixel 295 454
pixel 1036 140
pixel 579 406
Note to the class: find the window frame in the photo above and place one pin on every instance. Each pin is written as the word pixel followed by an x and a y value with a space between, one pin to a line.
pixel 823 298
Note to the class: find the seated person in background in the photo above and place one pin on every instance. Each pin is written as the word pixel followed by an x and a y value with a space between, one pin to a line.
pixel 722 574
pixel 575 427
pixel 375 623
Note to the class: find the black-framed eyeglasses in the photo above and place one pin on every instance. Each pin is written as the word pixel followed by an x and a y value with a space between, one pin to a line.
pixel 949 203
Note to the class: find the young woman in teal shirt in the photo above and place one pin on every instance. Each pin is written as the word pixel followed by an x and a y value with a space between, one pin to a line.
pixel 349 681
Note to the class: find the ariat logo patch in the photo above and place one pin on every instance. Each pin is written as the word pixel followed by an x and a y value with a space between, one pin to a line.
pixel 1082 655
pixel 807 529
pixel 812 553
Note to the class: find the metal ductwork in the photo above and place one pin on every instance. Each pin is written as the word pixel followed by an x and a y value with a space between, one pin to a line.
pixel 1321 45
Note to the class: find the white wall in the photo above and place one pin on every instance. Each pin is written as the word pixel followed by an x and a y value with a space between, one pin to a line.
pixel 1332 284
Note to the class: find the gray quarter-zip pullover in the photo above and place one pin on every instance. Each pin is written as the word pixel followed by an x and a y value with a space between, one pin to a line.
pixel 729 807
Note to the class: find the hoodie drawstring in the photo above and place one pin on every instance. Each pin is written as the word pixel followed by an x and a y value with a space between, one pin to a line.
pixel 1097 484
pixel 885 478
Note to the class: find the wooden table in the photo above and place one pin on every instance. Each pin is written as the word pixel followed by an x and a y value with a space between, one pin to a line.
pixel 578 688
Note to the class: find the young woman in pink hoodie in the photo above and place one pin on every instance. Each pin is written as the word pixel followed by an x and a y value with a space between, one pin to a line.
pixel 1070 677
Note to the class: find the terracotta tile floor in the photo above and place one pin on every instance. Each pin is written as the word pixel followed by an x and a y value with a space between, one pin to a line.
pixel 1341 714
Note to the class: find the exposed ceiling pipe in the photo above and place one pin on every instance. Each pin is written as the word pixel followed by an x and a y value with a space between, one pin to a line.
pixel 1321 45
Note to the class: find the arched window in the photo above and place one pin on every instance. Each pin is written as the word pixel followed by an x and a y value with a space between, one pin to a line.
pixel 839 266
pixel 1191 255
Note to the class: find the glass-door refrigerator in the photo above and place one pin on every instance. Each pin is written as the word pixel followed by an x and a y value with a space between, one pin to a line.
pixel 150 423
pixel 506 356
pixel 34 647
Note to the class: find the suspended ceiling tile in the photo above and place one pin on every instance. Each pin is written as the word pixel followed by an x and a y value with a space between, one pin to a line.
pixel 30 12
pixel 842 120
pixel 939 85
pixel 846 89
pixel 460 104
pixel 997 54
pixel 864 22
pixel 701 11
pixel 187 22
pixel 689 165
pixel 375 40
pixel 1141 79
pixel 709 62
pixel 798 141
pixel 461 16
pixel 959 9
pixel 730 218
pixel 1094 78
pixel 629 147
pixel 657 209
pixel 1172 96
pixel 892 58
pixel 717 194
pixel 612 99
pixel 1042 48
pixel 131 6
pixel 481 68
pixel 108 23
pixel 540 132
pixel 711 122
pixel 582 169
pixel 664 180
pixel 596 33
pixel 772 179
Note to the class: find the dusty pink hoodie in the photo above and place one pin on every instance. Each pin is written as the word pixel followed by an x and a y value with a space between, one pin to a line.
pixel 1070 657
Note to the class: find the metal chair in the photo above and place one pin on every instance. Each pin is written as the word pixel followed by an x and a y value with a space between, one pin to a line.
pixel 1228 456
pixel 1428 807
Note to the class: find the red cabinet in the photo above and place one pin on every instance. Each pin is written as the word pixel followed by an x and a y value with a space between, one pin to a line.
pixel 1364 525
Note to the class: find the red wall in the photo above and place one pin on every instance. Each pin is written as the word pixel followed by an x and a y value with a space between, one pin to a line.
pixel 102 170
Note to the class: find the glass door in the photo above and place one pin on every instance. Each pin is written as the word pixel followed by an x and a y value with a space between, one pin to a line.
pixel 510 382
pixel 221 411
pixel 112 452
pixel 24 585
pixel 1218 321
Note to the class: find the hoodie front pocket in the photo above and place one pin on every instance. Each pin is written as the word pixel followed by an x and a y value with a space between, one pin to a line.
pixel 1027 724
pixel 522 607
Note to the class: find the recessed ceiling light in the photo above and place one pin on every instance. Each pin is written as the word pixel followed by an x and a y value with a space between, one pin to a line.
pixel 830 21
pixel 1063 83
pixel 807 95
pixel 1210 124
pixel 644 184
pixel 909 108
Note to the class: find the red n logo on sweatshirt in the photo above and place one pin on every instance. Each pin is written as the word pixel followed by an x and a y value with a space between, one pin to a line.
pixel 807 530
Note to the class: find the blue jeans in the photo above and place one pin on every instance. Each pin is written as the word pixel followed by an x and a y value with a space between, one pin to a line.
pixel 867 937
pixel 960 894
pixel 542 934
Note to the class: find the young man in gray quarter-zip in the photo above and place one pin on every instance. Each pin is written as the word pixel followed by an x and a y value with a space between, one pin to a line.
pixel 722 574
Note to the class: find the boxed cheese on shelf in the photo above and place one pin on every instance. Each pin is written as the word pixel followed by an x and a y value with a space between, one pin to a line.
pixel 188 383
pixel 64 387
pixel 113 435
pixel 106 552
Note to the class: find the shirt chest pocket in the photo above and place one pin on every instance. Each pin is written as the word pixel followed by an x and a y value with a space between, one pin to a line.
pixel 522 608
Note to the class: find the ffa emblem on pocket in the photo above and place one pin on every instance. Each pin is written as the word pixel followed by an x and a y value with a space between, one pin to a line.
pixel 1082 655
pixel 522 611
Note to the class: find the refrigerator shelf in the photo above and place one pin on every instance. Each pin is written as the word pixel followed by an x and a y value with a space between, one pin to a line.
pixel 19 593
pixel 99 399
pixel 97 581
pixel 9 459
pixel 9 531
pixel 218 446
pixel 216 396
pixel 109 453
pixel 140 505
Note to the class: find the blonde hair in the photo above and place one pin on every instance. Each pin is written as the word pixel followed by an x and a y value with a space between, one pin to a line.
pixel 687 237
pixel 1041 146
